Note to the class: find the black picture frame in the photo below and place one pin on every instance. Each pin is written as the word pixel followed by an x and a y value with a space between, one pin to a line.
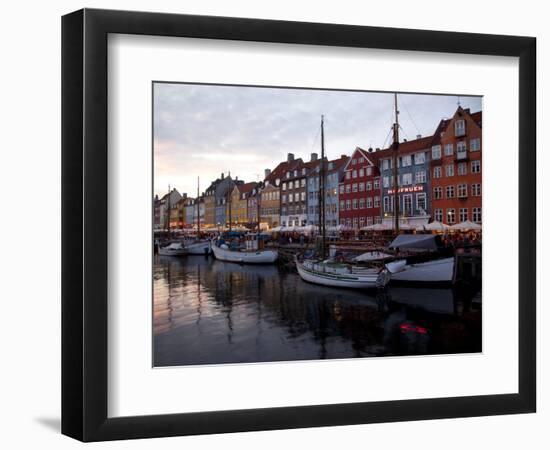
pixel 84 224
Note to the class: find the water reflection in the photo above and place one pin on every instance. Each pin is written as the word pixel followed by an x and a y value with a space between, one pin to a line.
pixel 212 312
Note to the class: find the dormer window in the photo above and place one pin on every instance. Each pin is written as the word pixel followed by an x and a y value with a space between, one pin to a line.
pixel 460 127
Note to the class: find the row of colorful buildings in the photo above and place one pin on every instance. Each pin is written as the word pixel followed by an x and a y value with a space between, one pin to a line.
pixel 438 178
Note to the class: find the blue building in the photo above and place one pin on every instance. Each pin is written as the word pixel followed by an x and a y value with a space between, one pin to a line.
pixel 413 171
pixel 334 171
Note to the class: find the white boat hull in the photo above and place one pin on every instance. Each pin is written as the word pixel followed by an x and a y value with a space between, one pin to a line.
pixel 198 248
pixel 172 252
pixel 369 280
pixel 250 257
pixel 439 270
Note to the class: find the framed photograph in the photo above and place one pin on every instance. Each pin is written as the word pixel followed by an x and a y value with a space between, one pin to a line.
pixel 273 224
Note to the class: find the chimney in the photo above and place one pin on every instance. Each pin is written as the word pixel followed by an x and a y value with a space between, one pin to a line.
pixel 377 149
pixel 267 172
pixel 418 136
pixel 290 157
pixel 313 157
pixel 343 156
pixel 370 150
pixel 222 175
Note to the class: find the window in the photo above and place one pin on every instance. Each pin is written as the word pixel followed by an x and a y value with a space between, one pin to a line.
pixel 420 158
pixel 303 171
pixel 476 189
pixel 354 161
pixel 462 168
pixel 361 187
pixel 377 201
pixel 463 214
pixel 342 189
pixel 420 176
pixel 354 187
pixel 303 196
pixel 460 127
pixel 284 186
pixel 386 164
pixel 476 214
pixel 361 172
pixel 462 190
pixel 291 198
pixel 386 182
pixel 361 160
pixel 449 170
pixel 421 202
pixel 450 191
pixel 369 186
pixel 361 222
pixel 342 205
pixel 461 150
pixel 284 198
pixel 407 204
pixel 377 183
pixel 369 202
pixel 354 203
pixel 355 222
pixel 437 192
pixel 369 171
pixel 407 179
pixel 303 182
pixel 438 215
pixel 475 145
pixel 476 166
pixel 348 188
pixel 451 216
pixel 354 174
pixel 296 172
pixel 348 205
pixel 449 150
pixel 288 174
pixel 388 204
pixel 369 220
pixel 406 161
pixel 361 203
pixel 436 152
pixel 348 175
pixel 437 172
pixel 377 219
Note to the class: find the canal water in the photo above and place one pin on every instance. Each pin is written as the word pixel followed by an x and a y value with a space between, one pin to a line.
pixel 212 312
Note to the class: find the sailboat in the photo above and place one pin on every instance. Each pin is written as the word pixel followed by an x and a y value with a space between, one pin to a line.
pixel 328 272
pixel 198 246
pixel 174 248
pixel 251 253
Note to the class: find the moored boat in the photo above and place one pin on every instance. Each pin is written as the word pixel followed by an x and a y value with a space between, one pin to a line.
pixel 173 249
pixel 335 274
pixel 200 247
pixel 222 252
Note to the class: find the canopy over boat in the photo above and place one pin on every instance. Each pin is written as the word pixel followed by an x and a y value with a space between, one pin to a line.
pixel 416 241
pixel 174 246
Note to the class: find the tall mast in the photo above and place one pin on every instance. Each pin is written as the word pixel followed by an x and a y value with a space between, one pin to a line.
pixel 258 197
pixel 230 201
pixel 198 210
pixel 395 147
pixel 169 209
pixel 322 190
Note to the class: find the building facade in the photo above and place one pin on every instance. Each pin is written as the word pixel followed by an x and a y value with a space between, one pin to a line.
pixel 270 205
pixel 253 203
pixel 456 169
pixel 238 208
pixel 294 193
pixel 333 175
pixel 359 190
pixel 413 179
pixel 166 204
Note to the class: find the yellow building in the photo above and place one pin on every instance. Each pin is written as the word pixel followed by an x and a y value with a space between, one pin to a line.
pixel 237 206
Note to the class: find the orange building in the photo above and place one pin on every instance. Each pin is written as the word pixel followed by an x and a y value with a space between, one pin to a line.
pixel 456 169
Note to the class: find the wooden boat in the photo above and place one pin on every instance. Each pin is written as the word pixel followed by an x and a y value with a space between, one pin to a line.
pixel 432 271
pixel 335 274
pixel 222 252
pixel 327 272
pixel 199 247
pixel 173 249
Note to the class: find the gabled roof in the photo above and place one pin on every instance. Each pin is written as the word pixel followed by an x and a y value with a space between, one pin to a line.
pixel 407 147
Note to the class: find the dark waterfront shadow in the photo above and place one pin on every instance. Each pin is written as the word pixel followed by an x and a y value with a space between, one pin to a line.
pixel 52 423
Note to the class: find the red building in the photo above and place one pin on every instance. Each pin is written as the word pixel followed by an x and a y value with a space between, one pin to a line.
pixel 359 191
pixel 456 169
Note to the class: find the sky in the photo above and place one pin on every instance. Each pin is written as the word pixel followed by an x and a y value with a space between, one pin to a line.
pixel 204 130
